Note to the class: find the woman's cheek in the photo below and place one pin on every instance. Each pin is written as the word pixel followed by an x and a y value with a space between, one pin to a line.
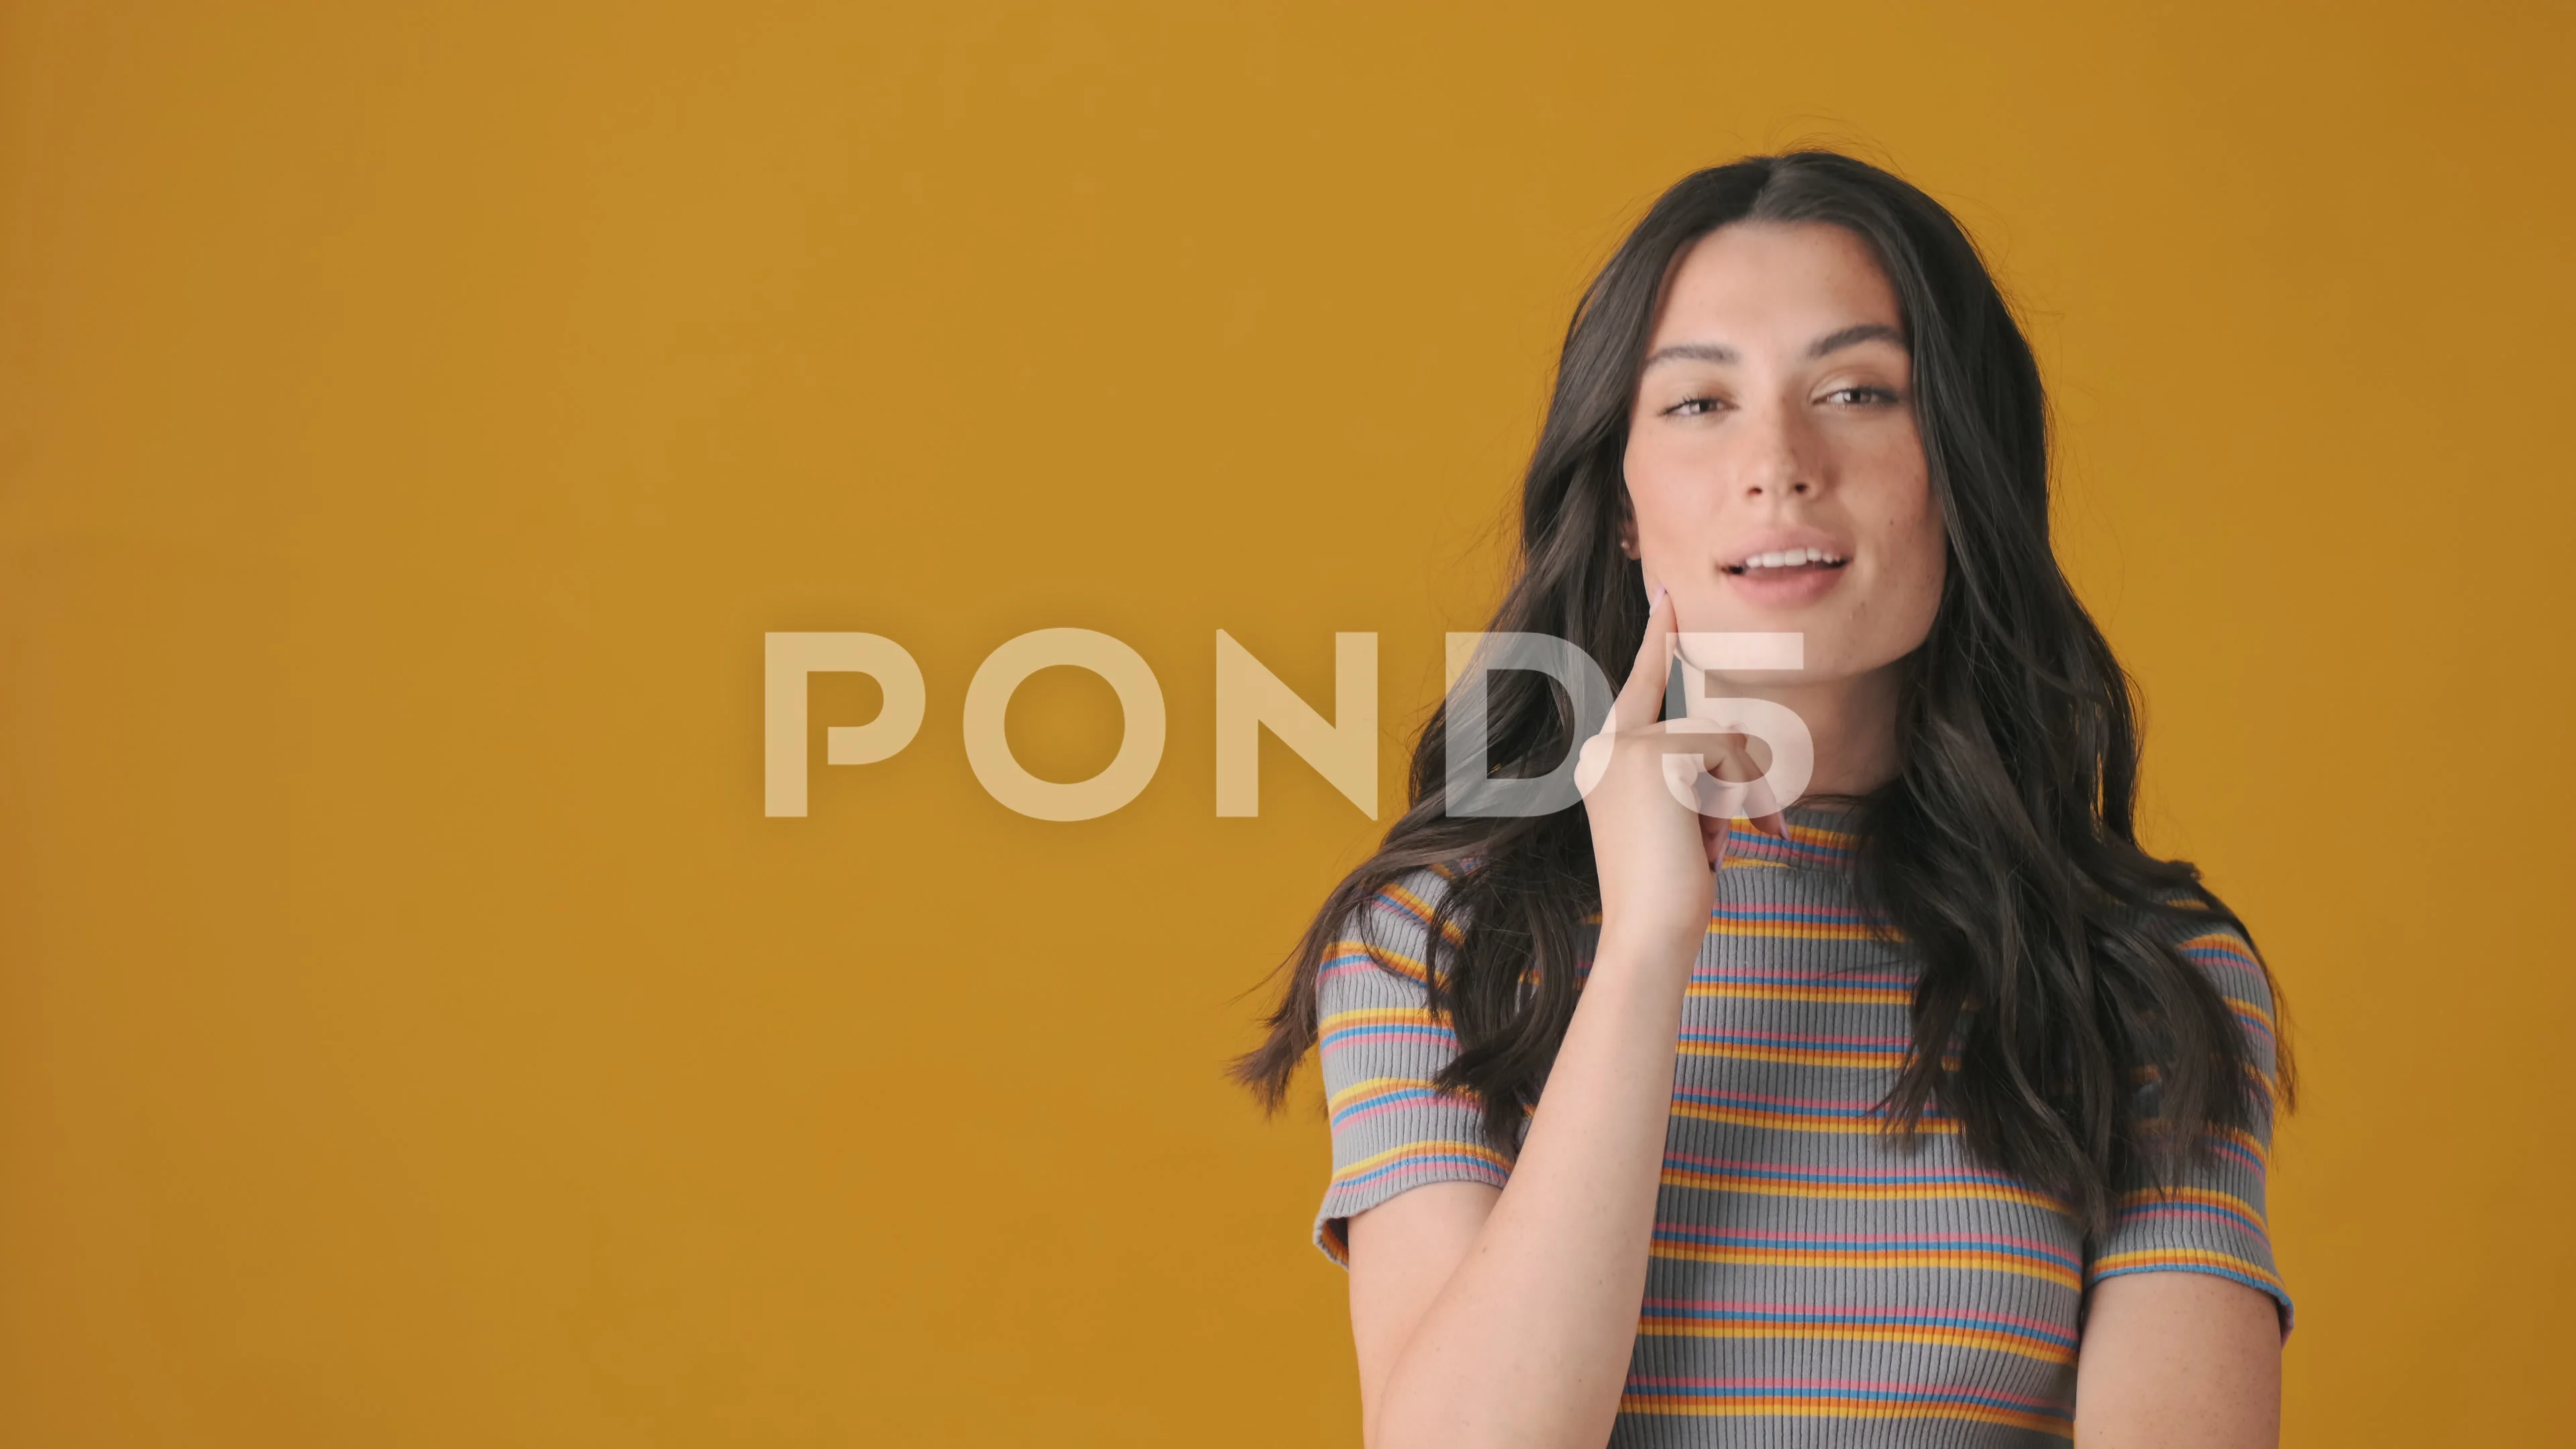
pixel 1923 594
pixel 1656 528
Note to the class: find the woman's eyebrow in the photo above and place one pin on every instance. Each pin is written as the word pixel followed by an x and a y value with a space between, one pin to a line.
pixel 1865 332
pixel 1691 352
pixel 1830 342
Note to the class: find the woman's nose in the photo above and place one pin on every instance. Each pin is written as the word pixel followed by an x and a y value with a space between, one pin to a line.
pixel 1780 458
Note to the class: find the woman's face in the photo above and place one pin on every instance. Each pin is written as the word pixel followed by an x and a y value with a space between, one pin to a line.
pixel 1775 477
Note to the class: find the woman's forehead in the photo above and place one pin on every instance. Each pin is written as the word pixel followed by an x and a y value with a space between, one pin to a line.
pixel 1761 278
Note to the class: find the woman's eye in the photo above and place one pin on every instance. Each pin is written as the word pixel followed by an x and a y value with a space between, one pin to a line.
pixel 1861 396
pixel 1691 407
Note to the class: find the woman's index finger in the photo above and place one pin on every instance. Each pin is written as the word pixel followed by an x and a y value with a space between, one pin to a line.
pixel 1643 695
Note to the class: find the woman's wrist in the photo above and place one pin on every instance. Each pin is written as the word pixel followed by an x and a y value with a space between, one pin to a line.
pixel 1659 950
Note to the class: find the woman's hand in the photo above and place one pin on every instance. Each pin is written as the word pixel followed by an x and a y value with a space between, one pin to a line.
pixel 1508 1318
pixel 1647 787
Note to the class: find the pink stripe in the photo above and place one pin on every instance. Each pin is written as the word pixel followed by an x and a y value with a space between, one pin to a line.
pixel 1400 908
pixel 1348 1042
pixel 1435 1100
pixel 1830 1313
pixel 1777 1039
pixel 1380 1174
pixel 1870 1172
pixel 2227 1148
pixel 1863 1385
pixel 2031 1243
pixel 1364 966
pixel 2203 1214
pixel 1814 978
pixel 1839 1104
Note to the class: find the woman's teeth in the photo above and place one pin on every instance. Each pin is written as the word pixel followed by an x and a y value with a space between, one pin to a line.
pixel 1789 558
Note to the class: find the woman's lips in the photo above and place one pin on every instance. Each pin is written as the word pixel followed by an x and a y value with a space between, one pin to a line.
pixel 1788 586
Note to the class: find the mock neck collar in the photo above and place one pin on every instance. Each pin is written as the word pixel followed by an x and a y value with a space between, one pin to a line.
pixel 1819 839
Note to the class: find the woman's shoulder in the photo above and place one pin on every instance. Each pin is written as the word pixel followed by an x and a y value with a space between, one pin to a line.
pixel 2211 937
pixel 1388 934
pixel 1411 905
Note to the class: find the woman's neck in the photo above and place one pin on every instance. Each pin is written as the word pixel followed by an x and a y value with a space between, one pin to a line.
pixel 1852 723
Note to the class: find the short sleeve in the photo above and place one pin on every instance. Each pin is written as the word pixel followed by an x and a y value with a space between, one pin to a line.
pixel 2210 1220
pixel 1381 1048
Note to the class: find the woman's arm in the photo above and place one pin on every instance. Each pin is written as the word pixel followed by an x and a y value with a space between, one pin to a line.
pixel 1492 1318
pixel 1507 1318
pixel 2178 1359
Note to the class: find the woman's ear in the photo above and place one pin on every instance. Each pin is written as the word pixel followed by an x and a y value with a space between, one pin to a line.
pixel 1627 529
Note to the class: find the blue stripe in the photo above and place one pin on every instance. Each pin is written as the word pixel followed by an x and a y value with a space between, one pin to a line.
pixel 1389 1029
pixel 1444 1159
pixel 1861 1318
pixel 2212 1269
pixel 1785 1109
pixel 1785 913
pixel 1725 1239
pixel 1409 1094
pixel 1821 1391
pixel 2199 1209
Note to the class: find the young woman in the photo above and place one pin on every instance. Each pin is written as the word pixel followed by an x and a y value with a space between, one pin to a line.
pixel 1930 1110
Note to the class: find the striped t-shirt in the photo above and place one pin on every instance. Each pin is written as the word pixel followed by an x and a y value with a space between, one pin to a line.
pixel 1812 1281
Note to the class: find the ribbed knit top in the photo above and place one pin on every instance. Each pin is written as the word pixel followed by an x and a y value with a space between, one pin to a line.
pixel 1813 1280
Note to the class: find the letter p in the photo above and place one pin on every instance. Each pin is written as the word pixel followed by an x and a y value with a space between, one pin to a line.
pixel 787 660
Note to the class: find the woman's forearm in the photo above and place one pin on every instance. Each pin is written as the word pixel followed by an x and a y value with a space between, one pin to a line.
pixel 1528 1343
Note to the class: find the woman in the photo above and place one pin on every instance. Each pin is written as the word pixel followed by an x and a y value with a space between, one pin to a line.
pixel 1929 1110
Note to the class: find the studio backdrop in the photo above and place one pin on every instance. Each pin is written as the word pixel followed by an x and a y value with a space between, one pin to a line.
pixel 417 1027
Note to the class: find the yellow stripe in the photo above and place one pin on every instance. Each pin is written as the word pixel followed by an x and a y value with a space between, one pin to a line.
pixel 1380 1086
pixel 1745 991
pixel 2222 940
pixel 2243 1007
pixel 2256 1146
pixel 1857 1191
pixel 1381 1016
pixel 1796 1056
pixel 2039 1268
pixel 1450 930
pixel 2184 1257
pixel 1369 1164
pixel 1837 1409
pixel 1988 1339
pixel 2261 1150
pixel 1790 930
pixel 1403 964
pixel 2204 1197
pixel 1791 1122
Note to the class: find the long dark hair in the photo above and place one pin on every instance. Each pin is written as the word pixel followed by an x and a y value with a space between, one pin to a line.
pixel 2004 853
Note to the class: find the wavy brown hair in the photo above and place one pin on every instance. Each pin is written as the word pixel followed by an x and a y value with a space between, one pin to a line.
pixel 2004 854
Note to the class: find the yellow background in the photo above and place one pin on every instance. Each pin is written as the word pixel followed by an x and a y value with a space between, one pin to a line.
pixel 411 1031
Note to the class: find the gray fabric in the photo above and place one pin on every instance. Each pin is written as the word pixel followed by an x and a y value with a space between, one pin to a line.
pixel 1814 1281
